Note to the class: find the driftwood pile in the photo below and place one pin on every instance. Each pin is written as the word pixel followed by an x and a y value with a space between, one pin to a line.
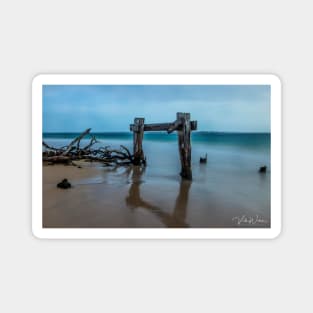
pixel 72 152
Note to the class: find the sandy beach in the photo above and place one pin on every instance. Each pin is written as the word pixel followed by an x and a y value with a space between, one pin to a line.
pixel 133 196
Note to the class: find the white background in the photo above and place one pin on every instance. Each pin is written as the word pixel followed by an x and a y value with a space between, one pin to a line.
pixel 155 37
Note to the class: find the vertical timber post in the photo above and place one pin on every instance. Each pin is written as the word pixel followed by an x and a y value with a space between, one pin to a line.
pixel 184 145
pixel 138 137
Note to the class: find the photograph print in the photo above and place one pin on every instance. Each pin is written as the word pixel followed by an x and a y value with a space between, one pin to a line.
pixel 156 156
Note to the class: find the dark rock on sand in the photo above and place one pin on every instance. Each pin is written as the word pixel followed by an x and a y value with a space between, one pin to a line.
pixel 262 169
pixel 64 184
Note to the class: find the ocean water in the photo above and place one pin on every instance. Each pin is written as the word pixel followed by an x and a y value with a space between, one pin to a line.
pixel 252 141
pixel 232 151
pixel 228 185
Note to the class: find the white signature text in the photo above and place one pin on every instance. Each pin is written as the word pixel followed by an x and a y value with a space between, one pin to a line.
pixel 252 220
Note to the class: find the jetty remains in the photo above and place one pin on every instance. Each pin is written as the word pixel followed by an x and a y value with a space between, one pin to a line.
pixel 183 125
pixel 108 157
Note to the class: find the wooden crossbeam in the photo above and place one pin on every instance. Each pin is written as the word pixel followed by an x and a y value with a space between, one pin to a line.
pixel 177 124
pixel 169 127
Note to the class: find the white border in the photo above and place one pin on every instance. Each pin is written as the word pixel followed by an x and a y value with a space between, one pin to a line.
pixel 156 233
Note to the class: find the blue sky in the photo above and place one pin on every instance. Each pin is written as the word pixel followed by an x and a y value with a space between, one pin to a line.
pixel 73 108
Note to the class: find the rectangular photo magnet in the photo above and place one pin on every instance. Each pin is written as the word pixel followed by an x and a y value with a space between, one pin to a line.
pixel 156 156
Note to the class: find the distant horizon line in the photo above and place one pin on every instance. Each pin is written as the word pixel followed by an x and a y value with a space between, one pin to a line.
pixel 124 131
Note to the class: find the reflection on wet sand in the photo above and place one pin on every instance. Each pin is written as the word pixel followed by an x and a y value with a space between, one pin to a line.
pixel 134 200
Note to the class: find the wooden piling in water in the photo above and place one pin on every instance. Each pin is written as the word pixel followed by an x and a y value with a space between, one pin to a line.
pixel 138 130
pixel 183 125
pixel 184 145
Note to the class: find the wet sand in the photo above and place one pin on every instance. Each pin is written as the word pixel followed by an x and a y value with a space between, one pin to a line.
pixel 138 197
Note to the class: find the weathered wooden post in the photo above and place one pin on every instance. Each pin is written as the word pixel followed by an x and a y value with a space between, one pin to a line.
pixel 138 130
pixel 184 145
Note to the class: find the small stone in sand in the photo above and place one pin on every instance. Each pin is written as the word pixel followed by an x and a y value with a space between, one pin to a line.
pixel 64 184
